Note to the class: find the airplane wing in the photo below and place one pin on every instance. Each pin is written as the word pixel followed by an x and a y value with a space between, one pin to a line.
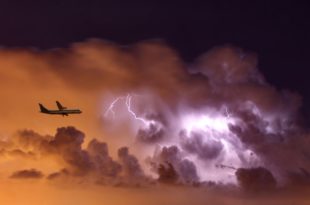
pixel 60 107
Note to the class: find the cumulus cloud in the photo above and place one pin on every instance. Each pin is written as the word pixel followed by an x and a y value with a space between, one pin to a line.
pixel 130 164
pixel 73 161
pixel 172 167
pixel 101 160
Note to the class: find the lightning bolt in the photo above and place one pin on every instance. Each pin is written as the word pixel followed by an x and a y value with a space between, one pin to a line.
pixel 128 104
pixel 227 115
pixel 127 99
pixel 110 108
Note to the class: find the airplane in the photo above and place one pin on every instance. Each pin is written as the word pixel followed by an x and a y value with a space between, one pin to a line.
pixel 61 110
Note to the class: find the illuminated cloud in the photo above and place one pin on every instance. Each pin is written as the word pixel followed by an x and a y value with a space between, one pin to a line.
pixel 182 123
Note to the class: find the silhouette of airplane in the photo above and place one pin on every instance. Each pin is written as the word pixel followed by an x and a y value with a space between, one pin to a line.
pixel 61 110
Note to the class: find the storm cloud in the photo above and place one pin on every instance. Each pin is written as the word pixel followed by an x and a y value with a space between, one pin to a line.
pixel 150 116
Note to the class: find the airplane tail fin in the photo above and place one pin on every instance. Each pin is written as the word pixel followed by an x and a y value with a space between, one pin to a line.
pixel 42 108
pixel 60 107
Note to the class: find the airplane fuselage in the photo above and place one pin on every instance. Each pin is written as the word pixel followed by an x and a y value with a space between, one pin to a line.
pixel 62 112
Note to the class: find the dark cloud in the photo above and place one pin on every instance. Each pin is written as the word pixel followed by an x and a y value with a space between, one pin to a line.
pixel 153 133
pixel 94 161
pixel 256 179
pixel 59 174
pixel 299 177
pixel 188 171
pixel 67 142
pixel 66 145
pixel 200 145
pixel 102 162
pixel 27 174
pixel 283 152
pixel 130 164
pixel 170 165
pixel 169 154
pixel 167 174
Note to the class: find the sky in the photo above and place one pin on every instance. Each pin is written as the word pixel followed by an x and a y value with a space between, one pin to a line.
pixel 199 97
pixel 277 32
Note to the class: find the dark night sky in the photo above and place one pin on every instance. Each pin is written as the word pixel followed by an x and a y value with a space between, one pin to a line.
pixel 278 31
